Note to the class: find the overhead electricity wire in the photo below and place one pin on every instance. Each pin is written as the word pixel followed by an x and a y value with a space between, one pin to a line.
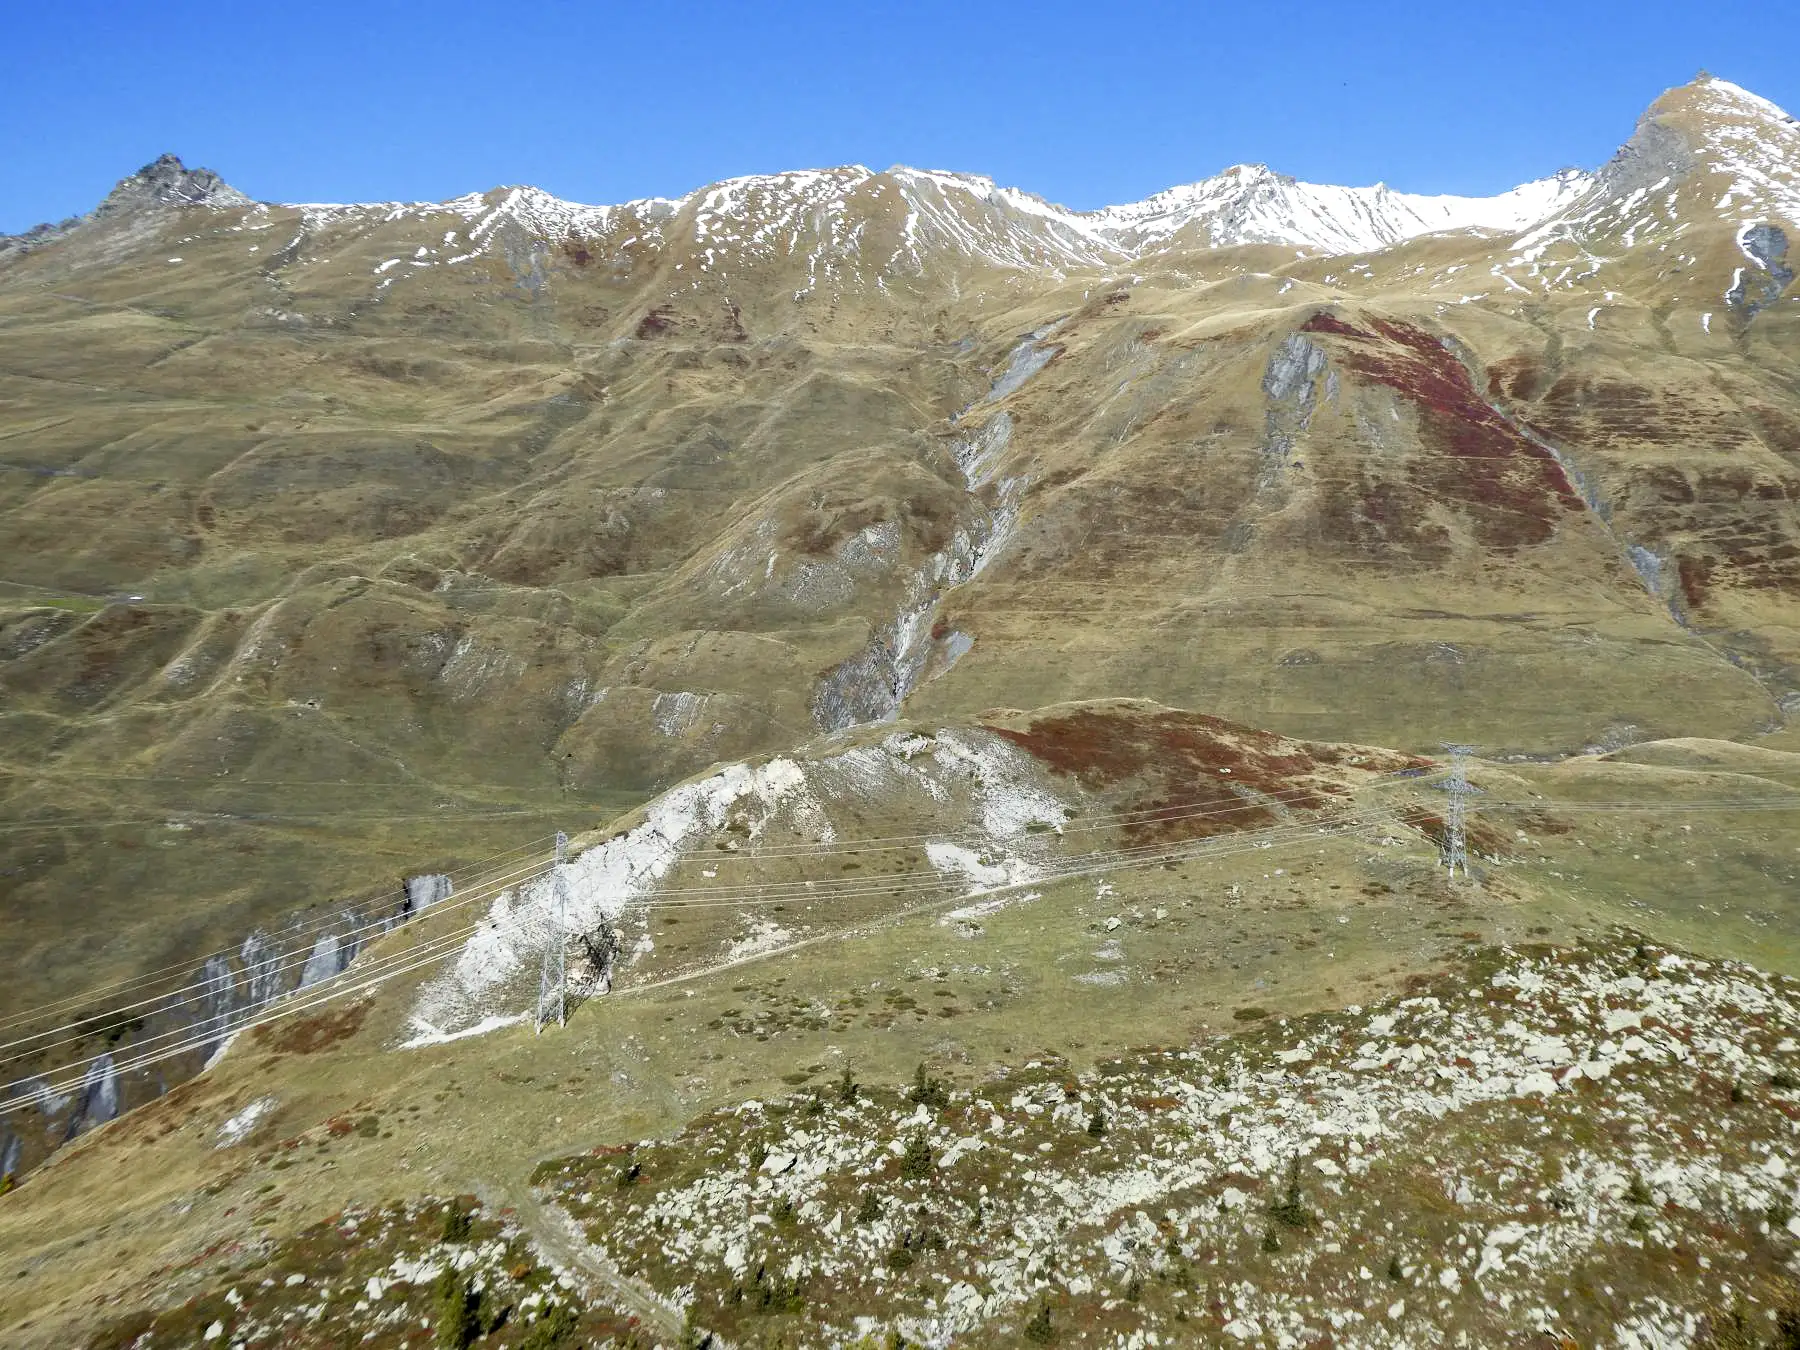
pixel 183 969
pixel 1088 864
pixel 313 926
pixel 213 816
pixel 1088 823
pixel 854 888
pixel 1085 824
pixel 328 922
pixel 289 960
pixel 187 992
pixel 183 1040
pixel 828 888
pixel 837 888
pixel 832 888
pixel 400 963
pixel 188 1033
pixel 187 966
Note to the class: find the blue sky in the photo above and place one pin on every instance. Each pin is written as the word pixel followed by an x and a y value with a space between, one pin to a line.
pixel 1082 103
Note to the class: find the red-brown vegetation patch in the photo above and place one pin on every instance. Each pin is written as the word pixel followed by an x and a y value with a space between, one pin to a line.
pixel 1510 489
pixel 1541 822
pixel 1327 322
pixel 657 323
pixel 309 1035
pixel 1102 521
pixel 1596 413
pixel 1516 378
pixel 1159 1103
pixel 1741 513
pixel 1778 430
pixel 1664 482
pixel 1695 574
pixel 1762 553
pixel 159 1117
pixel 1481 838
pixel 1187 775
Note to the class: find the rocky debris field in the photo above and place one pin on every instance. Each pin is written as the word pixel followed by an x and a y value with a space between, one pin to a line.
pixel 1591 1146
pixel 429 1273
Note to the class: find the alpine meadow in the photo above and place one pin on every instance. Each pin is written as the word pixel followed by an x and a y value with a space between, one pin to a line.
pixel 862 759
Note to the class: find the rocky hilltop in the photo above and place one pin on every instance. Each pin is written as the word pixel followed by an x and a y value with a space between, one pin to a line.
pixel 871 571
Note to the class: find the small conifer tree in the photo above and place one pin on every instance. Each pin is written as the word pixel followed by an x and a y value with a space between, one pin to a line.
pixel 917 1162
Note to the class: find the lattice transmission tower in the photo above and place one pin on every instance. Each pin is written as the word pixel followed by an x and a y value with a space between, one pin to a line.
pixel 1460 789
pixel 553 976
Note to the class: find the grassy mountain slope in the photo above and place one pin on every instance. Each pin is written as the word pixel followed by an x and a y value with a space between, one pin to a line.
pixel 341 544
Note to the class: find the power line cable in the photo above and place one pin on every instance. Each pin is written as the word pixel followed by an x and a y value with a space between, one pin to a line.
pixel 1097 862
pixel 917 883
pixel 184 968
pixel 289 959
pixel 436 948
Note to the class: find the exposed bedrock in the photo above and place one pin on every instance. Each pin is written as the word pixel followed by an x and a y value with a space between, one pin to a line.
pixel 225 993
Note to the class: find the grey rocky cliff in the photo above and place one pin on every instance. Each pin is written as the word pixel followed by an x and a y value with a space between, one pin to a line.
pixel 1655 151
pixel 1755 288
pixel 166 181
pixel 422 892
pixel 163 184
pixel 225 993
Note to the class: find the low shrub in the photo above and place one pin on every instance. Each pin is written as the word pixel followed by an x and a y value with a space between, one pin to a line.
pixel 457 1224
pixel 1291 1211
pixel 456 1311
pixel 554 1329
pixel 929 1091
pixel 918 1162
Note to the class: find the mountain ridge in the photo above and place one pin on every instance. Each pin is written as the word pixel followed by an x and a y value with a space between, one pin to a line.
pixel 880 565
pixel 1243 203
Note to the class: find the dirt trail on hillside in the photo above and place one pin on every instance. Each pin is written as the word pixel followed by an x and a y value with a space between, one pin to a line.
pixel 562 1244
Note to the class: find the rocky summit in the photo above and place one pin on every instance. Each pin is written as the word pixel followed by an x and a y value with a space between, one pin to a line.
pixel 861 758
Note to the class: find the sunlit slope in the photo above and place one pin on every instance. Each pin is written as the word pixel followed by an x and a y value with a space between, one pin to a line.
pixel 330 514
pixel 1255 902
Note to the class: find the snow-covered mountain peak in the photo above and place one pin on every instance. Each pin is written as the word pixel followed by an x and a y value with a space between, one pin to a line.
pixel 1751 142
pixel 1252 204
pixel 971 215
pixel 1707 150
pixel 1735 101
pixel 850 222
